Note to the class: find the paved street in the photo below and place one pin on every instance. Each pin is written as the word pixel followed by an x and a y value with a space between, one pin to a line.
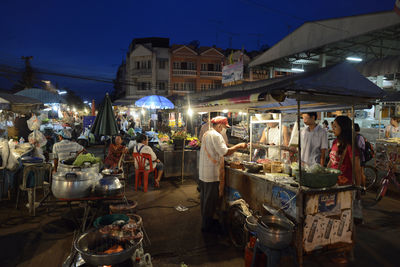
pixel 175 236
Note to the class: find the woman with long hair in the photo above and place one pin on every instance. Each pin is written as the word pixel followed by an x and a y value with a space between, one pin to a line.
pixel 341 155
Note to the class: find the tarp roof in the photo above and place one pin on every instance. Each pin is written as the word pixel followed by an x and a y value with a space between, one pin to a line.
pixel 341 81
pixel 317 34
pixel 19 104
pixel 43 96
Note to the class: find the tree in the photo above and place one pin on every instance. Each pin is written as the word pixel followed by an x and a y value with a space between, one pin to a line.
pixel 27 79
pixel 194 43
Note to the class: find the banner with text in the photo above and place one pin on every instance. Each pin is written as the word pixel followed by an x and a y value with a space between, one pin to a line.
pixel 232 73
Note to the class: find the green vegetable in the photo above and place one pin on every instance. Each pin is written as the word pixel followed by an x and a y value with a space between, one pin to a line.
pixel 82 158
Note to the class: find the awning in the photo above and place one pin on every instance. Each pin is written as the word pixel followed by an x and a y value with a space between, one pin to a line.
pixel 43 96
pixel 19 104
pixel 387 65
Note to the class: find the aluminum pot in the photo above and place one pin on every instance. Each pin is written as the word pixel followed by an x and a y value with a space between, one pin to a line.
pixel 87 167
pixel 108 186
pixel 76 184
pixel 274 231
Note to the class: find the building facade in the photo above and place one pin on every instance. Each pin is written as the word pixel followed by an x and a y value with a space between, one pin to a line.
pixel 147 68
pixel 194 69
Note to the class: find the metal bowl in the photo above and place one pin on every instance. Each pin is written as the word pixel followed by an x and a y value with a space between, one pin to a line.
pixel 252 167
pixel 274 232
pixel 88 241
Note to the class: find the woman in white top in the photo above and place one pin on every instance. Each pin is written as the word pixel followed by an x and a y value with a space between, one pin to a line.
pixel 393 130
pixel 270 136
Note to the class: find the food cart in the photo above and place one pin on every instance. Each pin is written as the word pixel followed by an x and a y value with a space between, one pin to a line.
pixel 323 217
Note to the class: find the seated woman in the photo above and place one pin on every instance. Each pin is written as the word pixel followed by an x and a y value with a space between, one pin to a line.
pixel 142 147
pixel 115 151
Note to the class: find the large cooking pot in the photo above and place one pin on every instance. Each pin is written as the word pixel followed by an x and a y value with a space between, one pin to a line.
pixel 87 167
pixel 274 231
pixel 77 184
pixel 108 186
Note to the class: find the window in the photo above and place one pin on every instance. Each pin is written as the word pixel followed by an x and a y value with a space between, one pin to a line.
pixel 191 66
pixel 184 66
pixel 137 64
pixel 142 64
pixel 149 64
pixel 210 67
pixel 203 67
pixel 162 63
pixel 177 65
pixel 217 67
pixel 161 86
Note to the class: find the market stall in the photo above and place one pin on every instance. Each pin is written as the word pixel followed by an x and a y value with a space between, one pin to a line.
pixel 322 212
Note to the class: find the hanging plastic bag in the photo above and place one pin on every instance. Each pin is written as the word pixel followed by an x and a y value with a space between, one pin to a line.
pixel 12 163
pixel 4 151
pixel 37 139
pixel 33 123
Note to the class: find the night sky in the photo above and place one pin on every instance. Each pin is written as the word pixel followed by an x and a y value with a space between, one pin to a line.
pixel 91 38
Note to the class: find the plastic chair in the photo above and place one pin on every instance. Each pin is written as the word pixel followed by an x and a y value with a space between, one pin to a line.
pixel 141 162
pixel 39 170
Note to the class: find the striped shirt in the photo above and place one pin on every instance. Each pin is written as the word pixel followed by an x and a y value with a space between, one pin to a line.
pixel 62 150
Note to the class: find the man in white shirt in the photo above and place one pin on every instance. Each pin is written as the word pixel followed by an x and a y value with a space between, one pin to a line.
pixel 142 146
pixel 65 149
pixel 314 140
pixel 211 168
pixel 207 126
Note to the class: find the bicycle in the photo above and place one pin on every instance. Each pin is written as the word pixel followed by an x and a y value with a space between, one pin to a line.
pixel 389 177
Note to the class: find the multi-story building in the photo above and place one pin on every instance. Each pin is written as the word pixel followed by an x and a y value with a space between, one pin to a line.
pixel 147 67
pixel 194 69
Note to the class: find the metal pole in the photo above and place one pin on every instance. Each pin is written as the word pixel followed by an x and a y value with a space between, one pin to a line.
pixel 183 160
pixel 299 137
pixel 353 136
pixel 380 121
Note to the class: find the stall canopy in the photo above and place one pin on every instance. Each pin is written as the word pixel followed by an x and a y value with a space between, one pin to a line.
pixel 19 104
pixel 342 83
pixel 42 95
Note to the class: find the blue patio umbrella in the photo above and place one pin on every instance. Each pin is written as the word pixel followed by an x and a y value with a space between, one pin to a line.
pixel 154 102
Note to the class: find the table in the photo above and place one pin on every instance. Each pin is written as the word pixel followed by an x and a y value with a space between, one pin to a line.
pixel 323 216
pixel 173 162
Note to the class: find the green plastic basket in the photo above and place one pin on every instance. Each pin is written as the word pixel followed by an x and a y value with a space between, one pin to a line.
pixel 109 219
pixel 316 180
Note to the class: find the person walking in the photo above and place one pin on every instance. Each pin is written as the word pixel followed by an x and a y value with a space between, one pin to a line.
pixel 211 171
pixel 314 140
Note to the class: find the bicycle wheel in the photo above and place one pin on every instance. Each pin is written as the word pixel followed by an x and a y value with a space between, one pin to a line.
pixel 381 191
pixel 370 176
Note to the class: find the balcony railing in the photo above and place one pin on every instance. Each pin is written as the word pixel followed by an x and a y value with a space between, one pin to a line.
pixel 210 73
pixel 184 72
pixel 141 72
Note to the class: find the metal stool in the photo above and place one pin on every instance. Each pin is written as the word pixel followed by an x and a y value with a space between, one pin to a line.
pixel 273 255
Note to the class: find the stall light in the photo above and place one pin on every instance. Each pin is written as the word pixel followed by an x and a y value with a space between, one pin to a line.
pixel 240 113
pixel 244 113
pixel 201 113
pixel 357 59
pixel 143 111
pixel 74 109
pixel 86 110
pixel 190 112
pixel 297 69
pixel 225 111
pixel 62 92
pixel 85 102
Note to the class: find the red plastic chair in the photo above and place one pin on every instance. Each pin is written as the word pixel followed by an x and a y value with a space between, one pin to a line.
pixel 141 161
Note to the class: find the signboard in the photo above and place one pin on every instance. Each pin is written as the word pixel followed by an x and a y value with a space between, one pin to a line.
pixel 233 72
pixel 88 121
pixel 285 198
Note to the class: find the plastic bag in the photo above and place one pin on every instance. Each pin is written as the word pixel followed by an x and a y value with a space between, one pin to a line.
pixel 33 123
pixel 4 151
pixel 12 163
pixel 37 139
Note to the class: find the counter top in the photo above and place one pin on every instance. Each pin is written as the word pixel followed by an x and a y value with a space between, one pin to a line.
pixel 289 183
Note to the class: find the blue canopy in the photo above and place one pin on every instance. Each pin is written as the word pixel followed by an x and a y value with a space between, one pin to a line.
pixel 154 102
pixel 42 95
